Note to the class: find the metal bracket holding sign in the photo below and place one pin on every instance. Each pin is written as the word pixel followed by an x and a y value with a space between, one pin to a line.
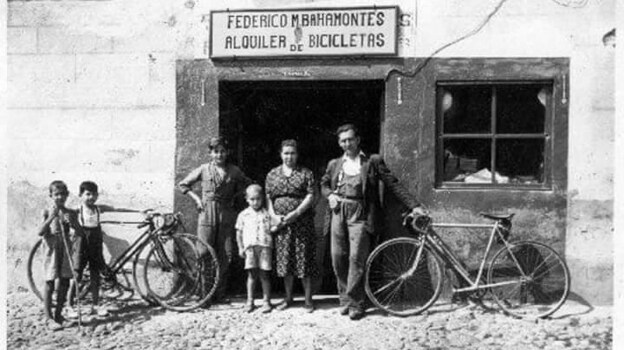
pixel 263 33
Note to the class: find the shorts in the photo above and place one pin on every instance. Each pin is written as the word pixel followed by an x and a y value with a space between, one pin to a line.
pixel 258 257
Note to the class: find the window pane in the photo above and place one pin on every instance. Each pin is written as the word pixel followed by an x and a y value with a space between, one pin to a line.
pixel 520 161
pixel 519 109
pixel 466 109
pixel 467 160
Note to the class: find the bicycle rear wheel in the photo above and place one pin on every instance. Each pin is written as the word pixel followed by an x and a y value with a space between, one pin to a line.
pixel 533 280
pixel 393 285
pixel 181 272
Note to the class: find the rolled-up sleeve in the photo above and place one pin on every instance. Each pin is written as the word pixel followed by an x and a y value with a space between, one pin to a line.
pixel 188 182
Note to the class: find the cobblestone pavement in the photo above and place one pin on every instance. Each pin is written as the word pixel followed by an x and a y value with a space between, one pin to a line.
pixel 138 326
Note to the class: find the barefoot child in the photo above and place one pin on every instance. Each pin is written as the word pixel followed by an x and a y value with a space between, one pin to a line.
pixel 57 265
pixel 253 235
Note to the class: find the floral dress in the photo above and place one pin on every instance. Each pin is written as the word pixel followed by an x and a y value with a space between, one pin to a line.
pixel 295 244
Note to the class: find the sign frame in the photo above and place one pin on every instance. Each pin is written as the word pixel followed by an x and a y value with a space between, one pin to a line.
pixel 394 54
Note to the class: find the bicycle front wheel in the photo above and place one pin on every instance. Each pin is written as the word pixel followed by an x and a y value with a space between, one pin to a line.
pixel 403 278
pixel 529 279
pixel 181 272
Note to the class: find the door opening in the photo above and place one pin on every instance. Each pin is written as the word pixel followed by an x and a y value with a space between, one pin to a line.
pixel 256 116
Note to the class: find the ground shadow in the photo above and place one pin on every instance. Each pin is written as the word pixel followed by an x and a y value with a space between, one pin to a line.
pixel 584 307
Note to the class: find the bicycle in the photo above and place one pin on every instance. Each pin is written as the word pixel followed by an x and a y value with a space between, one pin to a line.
pixel 403 276
pixel 175 270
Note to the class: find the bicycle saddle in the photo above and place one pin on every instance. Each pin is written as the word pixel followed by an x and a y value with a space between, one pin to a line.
pixel 497 216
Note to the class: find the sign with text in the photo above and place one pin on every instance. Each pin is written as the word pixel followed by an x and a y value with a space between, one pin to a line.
pixel 361 31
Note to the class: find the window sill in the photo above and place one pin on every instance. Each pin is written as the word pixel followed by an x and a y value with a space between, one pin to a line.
pixel 491 187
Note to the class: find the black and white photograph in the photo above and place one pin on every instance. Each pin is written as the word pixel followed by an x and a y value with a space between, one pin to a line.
pixel 311 174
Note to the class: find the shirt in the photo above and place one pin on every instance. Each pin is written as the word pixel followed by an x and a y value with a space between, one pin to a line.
pixel 256 227
pixel 352 166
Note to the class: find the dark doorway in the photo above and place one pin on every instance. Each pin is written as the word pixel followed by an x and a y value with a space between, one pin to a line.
pixel 256 116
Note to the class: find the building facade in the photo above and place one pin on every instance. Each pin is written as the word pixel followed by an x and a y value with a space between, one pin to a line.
pixel 478 106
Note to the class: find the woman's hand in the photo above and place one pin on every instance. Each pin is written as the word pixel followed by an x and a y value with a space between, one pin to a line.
pixel 241 252
pixel 333 200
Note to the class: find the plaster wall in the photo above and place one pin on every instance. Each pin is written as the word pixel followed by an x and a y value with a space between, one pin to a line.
pixel 92 95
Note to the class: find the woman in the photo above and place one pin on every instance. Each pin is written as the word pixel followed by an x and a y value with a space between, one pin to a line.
pixel 221 184
pixel 290 198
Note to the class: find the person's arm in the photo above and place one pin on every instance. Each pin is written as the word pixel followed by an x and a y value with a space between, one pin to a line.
pixel 239 240
pixel 103 208
pixel 307 202
pixel 326 189
pixel 239 236
pixel 396 187
pixel 326 180
pixel 48 217
pixel 186 186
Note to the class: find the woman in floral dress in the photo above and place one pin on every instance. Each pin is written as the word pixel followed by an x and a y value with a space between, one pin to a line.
pixel 290 197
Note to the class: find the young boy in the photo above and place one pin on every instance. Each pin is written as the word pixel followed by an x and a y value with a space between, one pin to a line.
pixel 61 234
pixel 89 219
pixel 255 245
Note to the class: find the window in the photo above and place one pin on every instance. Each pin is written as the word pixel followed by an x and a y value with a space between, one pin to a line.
pixel 493 134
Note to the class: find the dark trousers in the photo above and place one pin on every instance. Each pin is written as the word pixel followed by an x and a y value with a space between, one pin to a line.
pixel 216 227
pixel 91 246
pixel 350 246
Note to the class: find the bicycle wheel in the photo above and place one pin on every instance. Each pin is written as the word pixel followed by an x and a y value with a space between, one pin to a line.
pixel 138 269
pixel 34 269
pixel 530 279
pixel 181 272
pixel 398 283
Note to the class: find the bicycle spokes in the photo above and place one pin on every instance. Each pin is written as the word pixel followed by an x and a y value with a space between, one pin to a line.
pixel 403 277
pixel 528 279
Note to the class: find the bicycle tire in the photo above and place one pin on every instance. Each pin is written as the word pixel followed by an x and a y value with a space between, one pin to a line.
pixel 183 275
pixel 388 286
pixel 537 279
pixel 34 269
pixel 138 266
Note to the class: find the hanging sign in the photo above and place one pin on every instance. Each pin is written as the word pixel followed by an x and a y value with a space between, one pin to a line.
pixel 361 31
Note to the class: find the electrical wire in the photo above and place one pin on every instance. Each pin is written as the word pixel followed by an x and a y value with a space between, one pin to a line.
pixel 473 32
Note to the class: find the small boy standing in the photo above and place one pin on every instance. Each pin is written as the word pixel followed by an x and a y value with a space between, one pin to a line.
pixel 61 233
pixel 255 245
pixel 89 219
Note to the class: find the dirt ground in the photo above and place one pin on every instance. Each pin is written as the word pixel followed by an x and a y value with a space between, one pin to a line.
pixel 138 326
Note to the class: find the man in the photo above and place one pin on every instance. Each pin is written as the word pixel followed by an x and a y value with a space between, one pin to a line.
pixel 351 186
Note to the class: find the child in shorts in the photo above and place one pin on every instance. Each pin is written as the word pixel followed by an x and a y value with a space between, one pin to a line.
pixel 61 234
pixel 255 245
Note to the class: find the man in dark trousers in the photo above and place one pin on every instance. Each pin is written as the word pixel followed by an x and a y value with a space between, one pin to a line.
pixel 351 186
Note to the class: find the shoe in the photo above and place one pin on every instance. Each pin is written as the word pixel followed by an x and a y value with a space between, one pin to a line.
pixel 284 305
pixel 54 326
pixel 344 310
pixel 355 314
pixel 266 308
pixel 309 308
pixel 102 311
pixel 249 307
pixel 72 313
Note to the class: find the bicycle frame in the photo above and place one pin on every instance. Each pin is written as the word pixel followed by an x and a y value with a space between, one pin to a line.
pixel 150 235
pixel 441 249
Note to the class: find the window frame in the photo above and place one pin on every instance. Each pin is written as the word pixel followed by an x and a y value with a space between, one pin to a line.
pixel 492 136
